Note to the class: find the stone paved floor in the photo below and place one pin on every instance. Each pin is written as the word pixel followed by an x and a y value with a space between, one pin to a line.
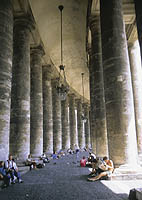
pixel 63 180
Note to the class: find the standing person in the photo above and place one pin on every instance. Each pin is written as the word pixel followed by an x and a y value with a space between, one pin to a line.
pixel 12 169
pixel 4 176
pixel 107 169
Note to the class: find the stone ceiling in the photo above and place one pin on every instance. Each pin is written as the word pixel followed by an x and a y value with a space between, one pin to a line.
pixel 47 18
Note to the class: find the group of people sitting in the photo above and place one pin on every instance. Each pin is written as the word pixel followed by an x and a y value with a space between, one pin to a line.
pixel 101 168
pixel 9 172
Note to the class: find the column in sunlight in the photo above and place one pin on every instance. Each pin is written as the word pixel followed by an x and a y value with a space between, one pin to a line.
pixel 136 73
pixel 87 126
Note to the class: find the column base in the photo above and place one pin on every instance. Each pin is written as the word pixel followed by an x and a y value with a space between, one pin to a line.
pixel 127 172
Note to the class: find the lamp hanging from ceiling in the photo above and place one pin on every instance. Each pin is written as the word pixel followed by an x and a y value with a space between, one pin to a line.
pixel 62 86
pixel 83 117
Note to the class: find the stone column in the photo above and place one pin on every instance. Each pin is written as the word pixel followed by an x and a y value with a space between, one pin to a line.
pixel 136 73
pixel 87 126
pixel 92 116
pixel 57 124
pixel 20 100
pixel 98 101
pixel 36 128
pixel 118 88
pixel 47 111
pixel 65 125
pixel 73 128
pixel 80 124
pixel 6 45
pixel 138 10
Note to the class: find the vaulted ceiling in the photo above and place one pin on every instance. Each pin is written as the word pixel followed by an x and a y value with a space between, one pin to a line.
pixel 47 18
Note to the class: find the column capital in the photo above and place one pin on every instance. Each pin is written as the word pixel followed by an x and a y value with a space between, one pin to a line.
pixel 37 50
pixel 78 100
pixel 24 22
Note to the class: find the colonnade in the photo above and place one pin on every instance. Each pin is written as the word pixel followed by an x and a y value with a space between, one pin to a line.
pixel 115 87
pixel 32 117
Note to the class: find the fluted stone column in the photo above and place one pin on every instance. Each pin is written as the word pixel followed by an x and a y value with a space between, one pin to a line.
pixel 6 50
pixel 57 124
pixel 136 73
pixel 73 128
pixel 92 110
pixel 65 125
pixel 20 101
pixel 118 88
pixel 99 110
pixel 47 111
pixel 87 126
pixel 138 11
pixel 81 138
pixel 36 128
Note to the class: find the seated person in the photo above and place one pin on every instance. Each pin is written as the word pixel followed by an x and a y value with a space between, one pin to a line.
pixel 106 169
pixel 83 162
pixel 44 158
pixel 54 155
pixel 4 176
pixel 12 169
pixel 30 162
pixel 90 159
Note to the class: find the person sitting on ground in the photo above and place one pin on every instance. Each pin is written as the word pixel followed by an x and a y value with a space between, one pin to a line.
pixel 90 159
pixel 83 162
pixel 3 176
pixel 44 158
pixel 54 155
pixel 12 169
pixel 31 162
pixel 107 169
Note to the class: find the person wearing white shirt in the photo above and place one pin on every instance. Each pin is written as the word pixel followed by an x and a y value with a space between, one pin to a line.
pixel 12 169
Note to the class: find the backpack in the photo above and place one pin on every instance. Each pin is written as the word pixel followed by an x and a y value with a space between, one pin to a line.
pixel 132 195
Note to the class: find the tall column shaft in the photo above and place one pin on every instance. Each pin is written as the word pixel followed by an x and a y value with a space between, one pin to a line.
pixel 20 97
pixel 136 73
pixel 57 124
pixel 65 125
pixel 36 128
pixel 98 101
pixel 6 43
pixel 47 111
pixel 92 116
pixel 118 89
pixel 73 128
pixel 87 126
pixel 80 124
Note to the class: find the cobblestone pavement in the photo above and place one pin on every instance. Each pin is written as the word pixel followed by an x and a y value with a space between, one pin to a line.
pixel 60 179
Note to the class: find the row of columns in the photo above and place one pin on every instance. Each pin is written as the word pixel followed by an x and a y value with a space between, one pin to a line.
pixel 32 118
pixel 115 88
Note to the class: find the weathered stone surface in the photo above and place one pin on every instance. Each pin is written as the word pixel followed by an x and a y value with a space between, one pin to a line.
pixel 36 109
pixel 87 126
pixel 136 73
pixel 81 139
pixel 57 124
pixel 98 111
pixel 6 41
pixel 65 125
pixel 92 116
pixel 73 128
pixel 20 96
pixel 117 82
pixel 47 110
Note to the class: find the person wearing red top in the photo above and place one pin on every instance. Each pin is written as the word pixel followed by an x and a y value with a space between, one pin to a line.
pixel 83 162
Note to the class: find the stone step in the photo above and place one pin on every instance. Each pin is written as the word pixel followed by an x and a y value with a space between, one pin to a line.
pixel 127 176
